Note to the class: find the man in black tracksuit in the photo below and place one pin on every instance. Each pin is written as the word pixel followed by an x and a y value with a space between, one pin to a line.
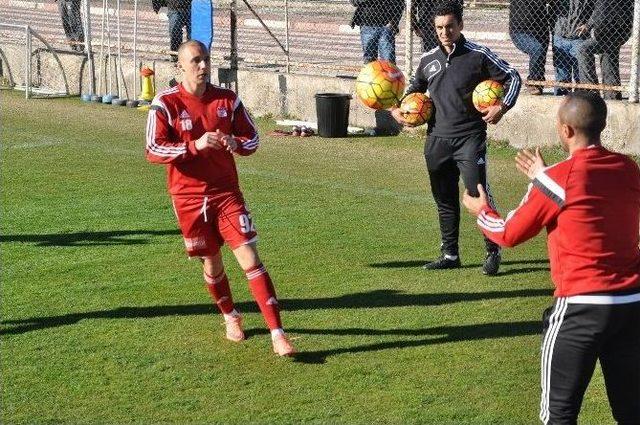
pixel 456 139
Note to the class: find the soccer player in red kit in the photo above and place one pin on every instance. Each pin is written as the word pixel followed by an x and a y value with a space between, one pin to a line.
pixel 590 206
pixel 195 129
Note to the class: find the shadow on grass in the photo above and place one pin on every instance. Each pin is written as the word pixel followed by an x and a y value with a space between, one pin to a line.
pixel 420 263
pixel 114 237
pixel 379 298
pixel 437 335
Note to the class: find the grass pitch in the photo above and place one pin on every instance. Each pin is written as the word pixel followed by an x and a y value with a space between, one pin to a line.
pixel 104 320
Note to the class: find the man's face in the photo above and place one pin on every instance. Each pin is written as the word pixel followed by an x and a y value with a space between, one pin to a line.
pixel 448 29
pixel 195 65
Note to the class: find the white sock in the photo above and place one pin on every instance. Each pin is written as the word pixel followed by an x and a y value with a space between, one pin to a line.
pixel 276 332
pixel 231 315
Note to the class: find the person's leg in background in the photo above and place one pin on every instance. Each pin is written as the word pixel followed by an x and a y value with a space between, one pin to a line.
pixel 537 51
pixel 175 31
pixel 387 44
pixel 76 24
pixel 574 49
pixel 369 37
pixel 562 64
pixel 610 67
pixel 587 61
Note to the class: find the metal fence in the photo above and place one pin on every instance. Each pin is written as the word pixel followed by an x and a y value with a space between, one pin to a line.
pixel 555 44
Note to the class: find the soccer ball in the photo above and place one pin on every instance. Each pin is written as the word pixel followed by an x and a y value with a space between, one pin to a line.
pixel 380 84
pixel 417 108
pixel 487 93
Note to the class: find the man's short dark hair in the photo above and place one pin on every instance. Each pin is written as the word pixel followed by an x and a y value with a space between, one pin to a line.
pixel 449 7
pixel 587 112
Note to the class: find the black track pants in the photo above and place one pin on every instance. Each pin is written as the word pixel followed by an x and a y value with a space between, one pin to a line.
pixel 447 159
pixel 578 331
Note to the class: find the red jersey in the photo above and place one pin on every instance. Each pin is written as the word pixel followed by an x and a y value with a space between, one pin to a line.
pixel 178 118
pixel 590 205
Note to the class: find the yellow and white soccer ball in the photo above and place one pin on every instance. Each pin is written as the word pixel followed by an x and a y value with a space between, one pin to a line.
pixel 380 85
pixel 417 108
pixel 487 93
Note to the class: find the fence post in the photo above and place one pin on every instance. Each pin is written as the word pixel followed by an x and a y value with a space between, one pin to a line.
pixel 286 32
pixel 233 39
pixel 635 55
pixel 27 64
pixel 87 46
pixel 136 70
pixel 408 41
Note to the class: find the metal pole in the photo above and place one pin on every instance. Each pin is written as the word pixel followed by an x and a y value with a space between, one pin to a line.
pixel 119 61
pixel 87 46
pixel 408 41
pixel 233 37
pixel 101 71
pixel 27 68
pixel 135 57
pixel 634 89
pixel 286 32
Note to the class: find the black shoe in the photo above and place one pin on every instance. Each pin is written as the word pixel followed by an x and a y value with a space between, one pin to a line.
pixel 491 263
pixel 442 263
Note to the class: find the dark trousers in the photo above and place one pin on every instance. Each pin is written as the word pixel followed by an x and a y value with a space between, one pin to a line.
pixel 447 159
pixel 178 19
pixel 71 21
pixel 609 52
pixel 536 47
pixel 576 335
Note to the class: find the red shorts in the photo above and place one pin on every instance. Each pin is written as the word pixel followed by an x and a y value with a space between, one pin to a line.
pixel 207 222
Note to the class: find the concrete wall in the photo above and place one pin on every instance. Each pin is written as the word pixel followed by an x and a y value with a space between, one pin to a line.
pixel 531 122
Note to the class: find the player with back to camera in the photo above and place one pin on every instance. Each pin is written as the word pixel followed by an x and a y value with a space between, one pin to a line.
pixel 195 129
pixel 590 206
pixel 457 134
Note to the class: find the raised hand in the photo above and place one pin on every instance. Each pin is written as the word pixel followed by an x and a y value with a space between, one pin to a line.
pixel 529 163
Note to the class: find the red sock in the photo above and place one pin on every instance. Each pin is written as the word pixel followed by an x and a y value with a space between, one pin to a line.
pixel 220 292
pixel 265 295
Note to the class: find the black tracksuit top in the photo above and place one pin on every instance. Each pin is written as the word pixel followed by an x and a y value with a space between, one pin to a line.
pixel 450 80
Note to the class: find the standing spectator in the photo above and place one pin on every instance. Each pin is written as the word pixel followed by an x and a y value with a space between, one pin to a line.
pixel 570 19
pixel 179 14
pixel 529 31
pixel 72 23
pixel 611 24
pixel 195 129
pixel 456 141
pixel 422 22
pixel 379 22
pixel 590 206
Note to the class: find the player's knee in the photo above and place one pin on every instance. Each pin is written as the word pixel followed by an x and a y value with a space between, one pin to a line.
pixel 212 265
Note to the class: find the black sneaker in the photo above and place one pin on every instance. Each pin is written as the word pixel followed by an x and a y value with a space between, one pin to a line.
pixel 442 263
pixel 491 263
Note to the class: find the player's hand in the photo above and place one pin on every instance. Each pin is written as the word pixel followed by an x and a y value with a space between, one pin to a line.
pixel 206 141
pixel 229 143
pixel 492 114
pixel 398 115
pixel 581 30
pixel 530 164
pixel 475 204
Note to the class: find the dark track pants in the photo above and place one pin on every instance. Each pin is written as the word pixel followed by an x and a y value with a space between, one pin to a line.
pixel 447 159
pixel 578 331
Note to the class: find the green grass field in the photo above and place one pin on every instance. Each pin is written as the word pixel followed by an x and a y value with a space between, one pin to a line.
pixel 104 320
